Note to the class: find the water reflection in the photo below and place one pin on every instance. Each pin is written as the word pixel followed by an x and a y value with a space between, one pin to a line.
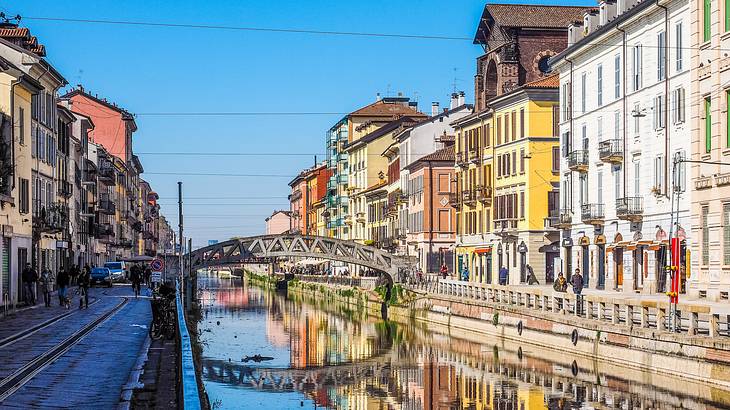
pixel 328 355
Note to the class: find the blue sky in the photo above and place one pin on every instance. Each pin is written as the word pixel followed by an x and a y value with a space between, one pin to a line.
pixel 150 70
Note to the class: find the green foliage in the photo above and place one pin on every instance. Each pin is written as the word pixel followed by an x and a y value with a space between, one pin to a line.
pixel 495 318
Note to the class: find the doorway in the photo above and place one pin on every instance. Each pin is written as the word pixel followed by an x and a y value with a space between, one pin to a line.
pixel 523 267
pixel 550 266
pixel 488 267
pixel 661 271
pixel 638 268
pixel 618 263
pixel 586 267
pixel 601 267
pixel 22 260
pixel 568 262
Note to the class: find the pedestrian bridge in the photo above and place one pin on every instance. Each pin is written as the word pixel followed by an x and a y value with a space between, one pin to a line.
pixel 253 249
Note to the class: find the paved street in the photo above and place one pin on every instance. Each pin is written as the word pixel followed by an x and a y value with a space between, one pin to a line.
pixel 108 352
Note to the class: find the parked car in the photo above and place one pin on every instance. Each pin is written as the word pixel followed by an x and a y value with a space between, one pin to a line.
pixel 118 270
pixel 102 276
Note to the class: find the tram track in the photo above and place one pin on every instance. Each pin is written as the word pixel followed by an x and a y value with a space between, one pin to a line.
pixel 27 372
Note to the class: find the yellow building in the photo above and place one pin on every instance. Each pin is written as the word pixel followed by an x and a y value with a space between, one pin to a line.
pixel 508 181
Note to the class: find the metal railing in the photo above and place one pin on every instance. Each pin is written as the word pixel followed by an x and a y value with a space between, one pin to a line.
pixel 610 150
pixel 578 160
pixel 592 213
pixel 188 376
pixel 629 207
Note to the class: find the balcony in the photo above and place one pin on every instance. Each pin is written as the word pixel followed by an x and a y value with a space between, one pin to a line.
pixel 564 219
pixel 474 157
pixel 461 159
pixel 107 206
pixel 125 243
pixel 611 151
pixel 103 231
pixel 630 208
pixel 484 194
pixel 506 227
pixel 107 175
pixel 342 179
pixel 89 177
pixel 454 200
pixel 578 161
pixel 469 197
pixel 65 189
pixel 52 218
pixel 348 219
pixel 360 217
pixel 331 184
pixel 592 214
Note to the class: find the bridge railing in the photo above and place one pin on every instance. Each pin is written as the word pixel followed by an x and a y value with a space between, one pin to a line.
pixel 693 319
pixel 365 282
pixel 188 377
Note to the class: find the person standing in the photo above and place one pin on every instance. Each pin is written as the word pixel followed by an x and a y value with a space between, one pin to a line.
pixel 577 281
pixel 84 282
pixel 147 275
pixel 135 277
pixel 503 276
pixel 47 281
pixel 465 274
pixel 30 277
pixel 444 270
pixel 63 279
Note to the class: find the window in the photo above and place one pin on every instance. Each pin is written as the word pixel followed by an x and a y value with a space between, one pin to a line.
pixel 617 76
pixel 705 235
pixel 522 160
pixel 637 67
pixel 661 55
pixel 514 162
pixel 659 173
pixel 499 130
pixel 567 142
pixel 680 182
pixel 659 108
pixel 522 205
pixel 583 93
pixel 617 183
pixel 637 176
pixel 678 106
pixel 599 129
pixel 616 125
pixel 706 20
pixel 506 164
pixel 444 220
pixel 636 114
pixel 678 44
pixel 567 104
pixel 24 200
pixel 506 128
pixel 522 123
pixel 600 85
pixel 727 118
pixel 556 159
pixel 556 120
pixel 583 188
pixel 499 166
pixel 708 125
pixel 21 125
pixel 514 125
pixel 599 180
pixel 726 234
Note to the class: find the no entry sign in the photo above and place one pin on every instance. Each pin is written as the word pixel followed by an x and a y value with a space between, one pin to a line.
pixel 157 265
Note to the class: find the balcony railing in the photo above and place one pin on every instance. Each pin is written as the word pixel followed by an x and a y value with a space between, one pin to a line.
pixel 107 206
pixel 52 218
pixel 103 231
pixel 107 174
pixel 469 197
pixel 592 214
pixel 454 200
pixel 474 156
pixel 461 159
pixel 65 189
pixel 630 208
pixel 506 224
pixel 578 161
pixel 484 194
pixel 565 219
pixel 611 151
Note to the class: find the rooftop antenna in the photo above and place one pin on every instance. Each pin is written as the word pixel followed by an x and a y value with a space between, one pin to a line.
pixel 455 79
pixel 387 91
pixel 4 19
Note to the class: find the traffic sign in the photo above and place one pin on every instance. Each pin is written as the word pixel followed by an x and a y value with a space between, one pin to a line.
pixel 156 277
pixel 157 265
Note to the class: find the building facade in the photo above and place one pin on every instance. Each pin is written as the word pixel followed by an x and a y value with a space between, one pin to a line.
pixel 279 222
pixel 623 124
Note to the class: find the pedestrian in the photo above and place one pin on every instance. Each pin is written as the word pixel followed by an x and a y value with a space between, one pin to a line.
pixel 503 276
pixel 147 275
pixel 560 285
pixel 577 281
pixel 84 282
pixel 62 280
pixel 444 270
pixel 30 277
pixel 465 274
pixel 47 281
pixel 75 273
pixel 135 277
pixel 531 278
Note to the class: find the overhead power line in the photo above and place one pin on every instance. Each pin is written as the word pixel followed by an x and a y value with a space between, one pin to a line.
pixel 207 174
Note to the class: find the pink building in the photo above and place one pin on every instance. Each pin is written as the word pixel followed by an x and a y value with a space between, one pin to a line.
pixel 298 201
pixel 431 229
pixel 278 222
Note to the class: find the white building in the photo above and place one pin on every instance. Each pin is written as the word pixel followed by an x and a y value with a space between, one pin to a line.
pixel 624 78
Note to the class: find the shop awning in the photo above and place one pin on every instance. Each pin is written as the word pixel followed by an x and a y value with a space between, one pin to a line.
pixel 481 251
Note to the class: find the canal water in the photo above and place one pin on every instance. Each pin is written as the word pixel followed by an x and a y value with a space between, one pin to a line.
pixel 320 354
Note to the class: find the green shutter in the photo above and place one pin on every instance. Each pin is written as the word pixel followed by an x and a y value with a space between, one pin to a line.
pixel 6 265
pixel 727 15
pixel 727 119
pixel 708 125
pixel 707 11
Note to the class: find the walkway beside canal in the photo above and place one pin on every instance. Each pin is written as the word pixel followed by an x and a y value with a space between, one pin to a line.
pixel 76 358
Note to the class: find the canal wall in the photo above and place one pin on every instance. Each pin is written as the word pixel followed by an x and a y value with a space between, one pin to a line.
pixel 701 359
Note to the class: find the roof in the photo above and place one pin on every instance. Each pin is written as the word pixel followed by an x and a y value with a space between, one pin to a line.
pixel 552 81
pixel 126 115
pixel 387 106
pixel 384 130
pixel 527 16
pixel 287 213
pixel 444 155
pixel 21 37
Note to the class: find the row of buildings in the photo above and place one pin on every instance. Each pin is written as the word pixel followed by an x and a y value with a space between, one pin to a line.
pixel 597 134
pixel 71 191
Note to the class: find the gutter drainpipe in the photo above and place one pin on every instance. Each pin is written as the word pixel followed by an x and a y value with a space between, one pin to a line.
pixel 666 98
pixel 625 113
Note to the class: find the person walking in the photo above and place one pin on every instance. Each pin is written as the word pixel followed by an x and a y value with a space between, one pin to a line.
pixel 47 281
pixel 577 281
pixel 444 270
pixel 62 280
pixel 147 275
pixel 503 276
pixel 560 285
pixel 30 277
pixel 135 277
pixel 84 282
pixel 465 274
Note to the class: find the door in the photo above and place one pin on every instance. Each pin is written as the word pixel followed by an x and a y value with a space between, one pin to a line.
pixel 638 269
pixel 489 268
pixel 618 261
pixel 661 272
pixel 6 266
pixel 568 262
pixel 22 260
pixel 523 267
pixel 550 266
pixel 586 264
pixel 601 266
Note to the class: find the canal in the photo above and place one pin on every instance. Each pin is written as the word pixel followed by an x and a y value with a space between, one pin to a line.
pixel 320 354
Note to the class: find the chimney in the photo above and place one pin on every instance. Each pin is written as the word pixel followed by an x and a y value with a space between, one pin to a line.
pixel 454 101
pixel 461 100
pixel 434 108
pixel 377 97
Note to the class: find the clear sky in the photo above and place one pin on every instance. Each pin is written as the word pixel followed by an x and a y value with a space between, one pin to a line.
pixel 181 70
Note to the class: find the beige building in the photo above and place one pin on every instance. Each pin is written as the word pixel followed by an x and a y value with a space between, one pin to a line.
pixel 709 275
pixel 278 222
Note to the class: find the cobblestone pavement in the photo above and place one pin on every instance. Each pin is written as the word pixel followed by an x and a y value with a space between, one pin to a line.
pixel 92 373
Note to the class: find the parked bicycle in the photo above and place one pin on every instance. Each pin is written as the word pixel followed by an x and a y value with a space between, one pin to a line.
pixel 164 317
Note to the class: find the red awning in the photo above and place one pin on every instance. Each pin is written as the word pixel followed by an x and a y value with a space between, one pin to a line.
pixel 483 250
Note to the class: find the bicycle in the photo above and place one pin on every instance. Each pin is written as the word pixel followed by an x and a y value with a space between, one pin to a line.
pixel 164 318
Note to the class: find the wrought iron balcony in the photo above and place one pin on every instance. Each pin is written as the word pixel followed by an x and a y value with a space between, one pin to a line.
pixel 630 208
pixel 505 225
pixel 474 157
pixel 52 218
pixel 65 189
pixel 611 151
pixel 469 197
pixel 592 214
pixel 103 231
pixel 107 206
pixel 348 219
pixel 565 219
pixel 578 161
pixel 454 200
pixel 360 217
pixel 461 159
pixel 107 174
pixel 484 194
pixel 125 243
